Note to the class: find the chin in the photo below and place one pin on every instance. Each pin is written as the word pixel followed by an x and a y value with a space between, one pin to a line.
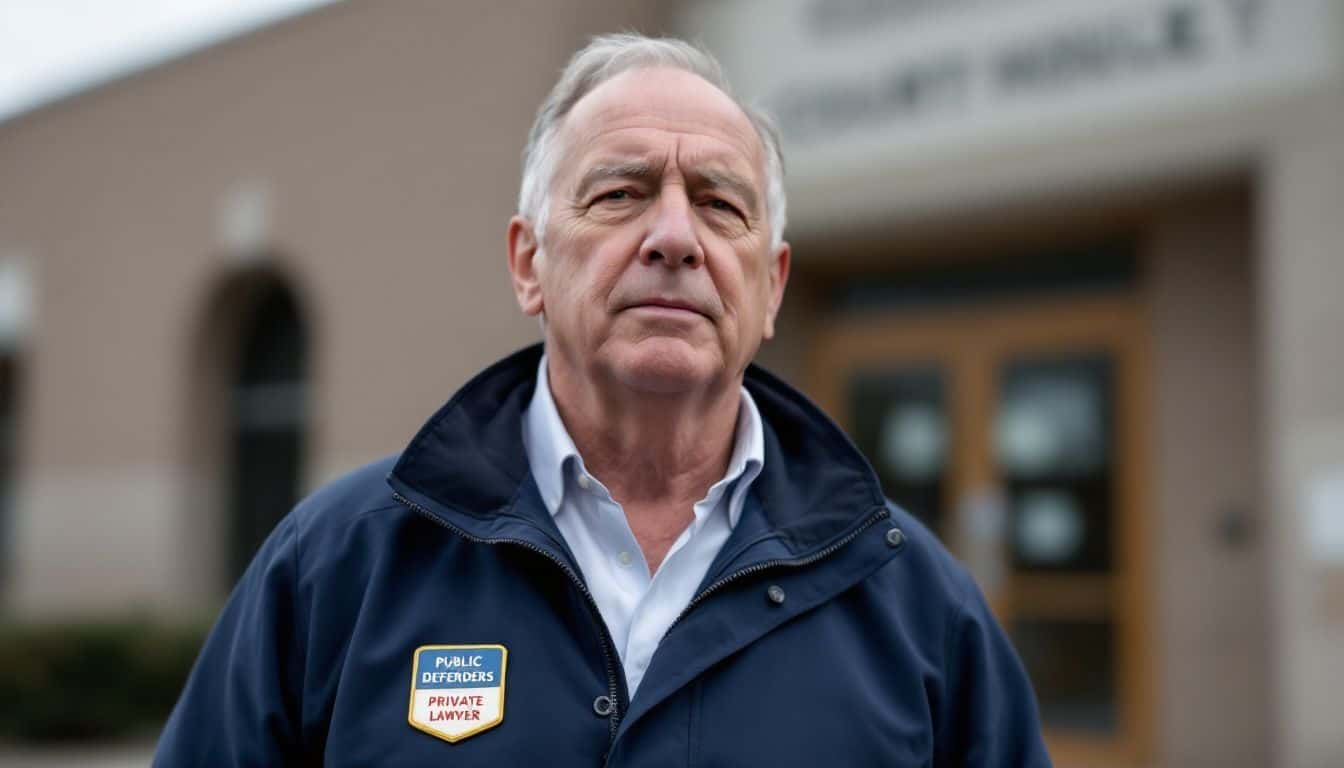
pixel 666 366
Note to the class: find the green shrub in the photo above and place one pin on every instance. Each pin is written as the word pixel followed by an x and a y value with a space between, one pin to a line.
pixel 91 681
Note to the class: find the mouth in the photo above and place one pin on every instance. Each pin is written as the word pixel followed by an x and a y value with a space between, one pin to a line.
pixel 671 307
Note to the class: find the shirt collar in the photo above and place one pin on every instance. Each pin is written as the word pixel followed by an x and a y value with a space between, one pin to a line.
pixel 550 449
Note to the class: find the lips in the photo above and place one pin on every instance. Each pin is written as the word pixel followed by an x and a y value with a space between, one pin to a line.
pixel 668 303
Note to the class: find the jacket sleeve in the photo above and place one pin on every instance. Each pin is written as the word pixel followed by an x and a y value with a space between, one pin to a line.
pixel 240 705
pixel 989 717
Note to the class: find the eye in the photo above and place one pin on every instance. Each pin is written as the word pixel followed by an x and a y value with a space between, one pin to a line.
pixel 614 196
pixel 723 205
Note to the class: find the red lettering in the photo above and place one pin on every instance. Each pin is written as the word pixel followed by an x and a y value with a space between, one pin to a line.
pixel 438 715
pixel 458 701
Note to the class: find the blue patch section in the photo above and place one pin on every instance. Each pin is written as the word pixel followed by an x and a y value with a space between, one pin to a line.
pixel 459 668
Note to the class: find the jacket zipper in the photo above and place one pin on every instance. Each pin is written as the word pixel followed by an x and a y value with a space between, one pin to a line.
pixel 603 635
pixel 779 563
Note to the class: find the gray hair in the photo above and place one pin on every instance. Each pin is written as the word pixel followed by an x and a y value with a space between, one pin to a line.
pixel 602 59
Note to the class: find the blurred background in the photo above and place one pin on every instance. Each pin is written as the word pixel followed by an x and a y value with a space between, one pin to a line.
pixel 1068 271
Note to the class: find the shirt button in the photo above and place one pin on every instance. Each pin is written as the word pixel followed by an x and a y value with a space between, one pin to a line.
pixel 603 706
pixel 775 594
pixel 583 482
pixel 895 537
pixel 625 558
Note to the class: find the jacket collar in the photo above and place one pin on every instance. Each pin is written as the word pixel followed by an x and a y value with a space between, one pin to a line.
pixel 468 463
pixel 553 456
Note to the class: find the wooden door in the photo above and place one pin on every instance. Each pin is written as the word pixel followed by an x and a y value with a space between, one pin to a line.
pixel 1015 432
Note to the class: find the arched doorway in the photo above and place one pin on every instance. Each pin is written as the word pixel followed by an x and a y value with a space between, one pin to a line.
pixel 16 321
pixel 8 455
pixel 249 423
pixel 267 418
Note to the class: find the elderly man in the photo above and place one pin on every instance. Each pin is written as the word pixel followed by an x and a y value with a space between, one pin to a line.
pixel 627 547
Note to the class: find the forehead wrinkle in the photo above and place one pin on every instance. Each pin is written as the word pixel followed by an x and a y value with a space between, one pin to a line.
pixel 615 140
pixel 621 117
pixel 589 123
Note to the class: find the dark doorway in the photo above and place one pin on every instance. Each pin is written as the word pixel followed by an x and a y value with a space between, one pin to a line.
pixel 268 420
pixel 8 453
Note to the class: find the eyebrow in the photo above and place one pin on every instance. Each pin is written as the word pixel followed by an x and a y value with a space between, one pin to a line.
pixel 634 169
pixel 712 178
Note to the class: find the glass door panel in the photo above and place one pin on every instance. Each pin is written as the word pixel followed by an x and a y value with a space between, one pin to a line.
pixel 899 419
pixel 1055 456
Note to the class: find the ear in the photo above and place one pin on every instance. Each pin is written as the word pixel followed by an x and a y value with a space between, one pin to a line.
pixel 779 277
pixel 524 253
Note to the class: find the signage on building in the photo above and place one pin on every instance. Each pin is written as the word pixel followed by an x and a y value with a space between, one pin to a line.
pixel 906 78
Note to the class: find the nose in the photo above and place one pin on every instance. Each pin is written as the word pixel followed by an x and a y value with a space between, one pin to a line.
pixel 671 240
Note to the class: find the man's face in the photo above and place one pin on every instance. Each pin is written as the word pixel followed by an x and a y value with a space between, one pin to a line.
pixel 655 268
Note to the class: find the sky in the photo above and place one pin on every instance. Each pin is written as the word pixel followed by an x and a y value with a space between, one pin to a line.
pixel 52 48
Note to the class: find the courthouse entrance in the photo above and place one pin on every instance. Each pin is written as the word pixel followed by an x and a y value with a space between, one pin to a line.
pixel 1014 429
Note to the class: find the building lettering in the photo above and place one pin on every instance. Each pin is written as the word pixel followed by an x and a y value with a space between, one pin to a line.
pixel 1123 45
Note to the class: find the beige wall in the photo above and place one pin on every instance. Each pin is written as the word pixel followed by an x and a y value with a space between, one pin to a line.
pixel 1302 269
pixel 1212 638
pixel 387 141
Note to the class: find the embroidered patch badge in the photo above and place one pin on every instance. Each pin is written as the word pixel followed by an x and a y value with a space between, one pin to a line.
pixel 457 690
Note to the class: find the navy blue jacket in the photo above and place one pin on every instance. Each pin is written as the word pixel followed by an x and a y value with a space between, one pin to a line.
pixel 832 629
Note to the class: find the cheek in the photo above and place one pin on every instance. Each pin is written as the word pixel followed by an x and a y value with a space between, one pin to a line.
pixel 580 275
pixel 751 299
pixel 739 285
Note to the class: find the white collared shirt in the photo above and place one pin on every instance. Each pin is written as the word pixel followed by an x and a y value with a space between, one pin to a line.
pixel 637 608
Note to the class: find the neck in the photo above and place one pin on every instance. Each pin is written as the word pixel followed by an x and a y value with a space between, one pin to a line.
pixel 648 449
